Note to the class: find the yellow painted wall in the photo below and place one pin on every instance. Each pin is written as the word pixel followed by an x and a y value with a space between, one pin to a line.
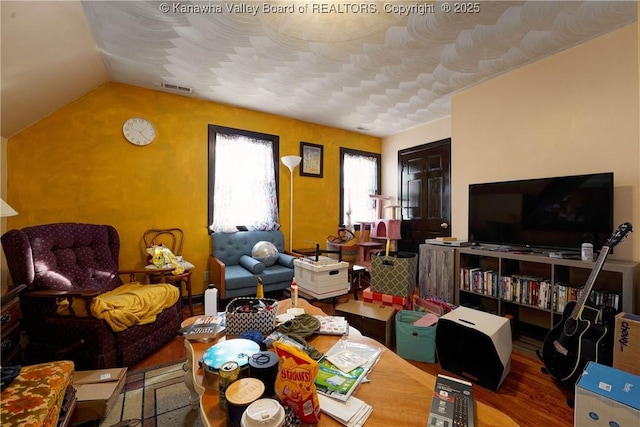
pixel 75 165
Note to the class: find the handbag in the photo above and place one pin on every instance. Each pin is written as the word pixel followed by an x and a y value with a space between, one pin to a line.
pixel 251 314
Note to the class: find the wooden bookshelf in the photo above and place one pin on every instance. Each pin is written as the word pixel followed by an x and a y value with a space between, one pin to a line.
pixel 617 280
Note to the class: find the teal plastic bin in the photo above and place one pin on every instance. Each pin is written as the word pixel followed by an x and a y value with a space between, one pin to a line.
pixel 415 342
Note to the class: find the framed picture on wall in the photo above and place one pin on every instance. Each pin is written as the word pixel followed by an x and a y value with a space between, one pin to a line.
pixel 312 162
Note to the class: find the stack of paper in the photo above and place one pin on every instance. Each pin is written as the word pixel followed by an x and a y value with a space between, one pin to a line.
pixel 335 385
pixel 352 413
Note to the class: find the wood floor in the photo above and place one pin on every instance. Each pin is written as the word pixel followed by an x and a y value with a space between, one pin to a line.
pixel 528 396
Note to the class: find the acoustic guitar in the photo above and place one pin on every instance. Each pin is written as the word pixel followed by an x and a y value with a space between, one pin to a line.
pixel 578 336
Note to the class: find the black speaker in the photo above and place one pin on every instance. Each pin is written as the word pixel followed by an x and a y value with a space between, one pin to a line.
pixel 475 345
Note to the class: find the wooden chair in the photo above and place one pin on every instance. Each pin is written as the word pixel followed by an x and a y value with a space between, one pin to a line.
pixel 173 239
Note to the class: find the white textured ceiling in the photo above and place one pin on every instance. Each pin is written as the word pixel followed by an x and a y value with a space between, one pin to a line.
pixel 352 65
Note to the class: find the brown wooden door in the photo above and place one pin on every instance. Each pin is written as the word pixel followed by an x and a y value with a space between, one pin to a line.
pixel 425 193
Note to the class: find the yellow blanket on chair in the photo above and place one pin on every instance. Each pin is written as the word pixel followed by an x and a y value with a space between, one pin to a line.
pixel 133 304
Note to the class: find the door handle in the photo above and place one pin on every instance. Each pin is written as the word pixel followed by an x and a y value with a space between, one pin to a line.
pixel 444 225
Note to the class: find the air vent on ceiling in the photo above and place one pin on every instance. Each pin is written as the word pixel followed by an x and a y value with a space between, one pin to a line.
pixel 177 88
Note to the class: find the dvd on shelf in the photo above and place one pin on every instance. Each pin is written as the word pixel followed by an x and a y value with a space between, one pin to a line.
pixel 530 290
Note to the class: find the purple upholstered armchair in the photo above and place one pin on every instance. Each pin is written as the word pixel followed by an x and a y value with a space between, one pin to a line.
pixel 65 260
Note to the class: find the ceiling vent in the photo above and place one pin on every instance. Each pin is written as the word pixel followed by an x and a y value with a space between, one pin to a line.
pixel 177 88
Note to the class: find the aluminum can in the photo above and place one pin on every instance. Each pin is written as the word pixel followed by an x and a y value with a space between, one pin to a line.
pixel 227 375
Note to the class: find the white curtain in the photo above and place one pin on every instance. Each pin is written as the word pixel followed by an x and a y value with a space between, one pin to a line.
pixel 360 181
pixel 245 187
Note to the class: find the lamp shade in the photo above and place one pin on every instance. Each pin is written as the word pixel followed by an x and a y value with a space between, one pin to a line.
pixel 6 210
pixel 291 161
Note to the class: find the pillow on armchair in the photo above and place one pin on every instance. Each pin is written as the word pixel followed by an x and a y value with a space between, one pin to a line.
pixel 285 260
pixel 251 264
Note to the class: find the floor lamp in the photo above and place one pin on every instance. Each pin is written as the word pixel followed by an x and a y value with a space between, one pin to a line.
pixel 291 162
pixel 5 210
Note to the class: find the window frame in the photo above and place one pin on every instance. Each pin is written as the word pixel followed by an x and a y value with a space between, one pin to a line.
pixel 343 151
pixel 213 131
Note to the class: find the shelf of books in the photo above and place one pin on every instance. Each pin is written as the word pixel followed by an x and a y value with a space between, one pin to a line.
pixel 532 286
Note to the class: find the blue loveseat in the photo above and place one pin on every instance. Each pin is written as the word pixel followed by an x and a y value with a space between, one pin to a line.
pixel 235 273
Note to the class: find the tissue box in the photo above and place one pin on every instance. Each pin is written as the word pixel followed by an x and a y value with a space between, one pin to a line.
pixel 606 396
pixel 395 301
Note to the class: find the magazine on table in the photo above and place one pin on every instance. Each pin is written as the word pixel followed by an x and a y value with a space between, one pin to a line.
pixel 333 381
pixel 205 327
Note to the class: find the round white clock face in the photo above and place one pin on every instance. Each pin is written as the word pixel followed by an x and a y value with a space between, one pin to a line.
pixel 139 131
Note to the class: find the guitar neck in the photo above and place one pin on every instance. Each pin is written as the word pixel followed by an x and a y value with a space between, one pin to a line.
pixel 577 310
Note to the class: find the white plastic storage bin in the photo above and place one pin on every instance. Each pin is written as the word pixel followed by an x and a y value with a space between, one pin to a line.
pixel 320 279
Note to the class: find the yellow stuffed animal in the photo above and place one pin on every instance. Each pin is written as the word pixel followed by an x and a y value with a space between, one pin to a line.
pixel 162 257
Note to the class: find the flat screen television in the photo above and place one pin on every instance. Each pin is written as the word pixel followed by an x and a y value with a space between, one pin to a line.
pixel 558 213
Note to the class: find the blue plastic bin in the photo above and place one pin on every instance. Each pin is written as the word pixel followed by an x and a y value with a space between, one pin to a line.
pixel 415 342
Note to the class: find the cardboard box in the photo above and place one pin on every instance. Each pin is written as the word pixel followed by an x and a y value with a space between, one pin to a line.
pixel 321 279
pixel 626 344
pixel 97 392
pixel 606 397
pixel 395 301
pixel 372 320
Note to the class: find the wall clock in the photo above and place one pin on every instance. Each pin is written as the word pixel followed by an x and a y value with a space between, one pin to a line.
pixel 139 131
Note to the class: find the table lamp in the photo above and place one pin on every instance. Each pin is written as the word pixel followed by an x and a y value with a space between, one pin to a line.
pixel 6 210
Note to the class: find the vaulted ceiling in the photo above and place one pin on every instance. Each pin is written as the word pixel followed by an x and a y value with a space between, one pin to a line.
pixel 371 67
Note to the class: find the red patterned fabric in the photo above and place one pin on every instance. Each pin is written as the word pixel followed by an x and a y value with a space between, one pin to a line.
pixel 397 302
pixel 35 396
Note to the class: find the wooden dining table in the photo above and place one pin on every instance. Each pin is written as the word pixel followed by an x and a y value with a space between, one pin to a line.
pixel 399 392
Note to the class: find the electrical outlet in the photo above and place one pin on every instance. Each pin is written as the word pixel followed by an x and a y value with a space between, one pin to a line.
pixel 206 276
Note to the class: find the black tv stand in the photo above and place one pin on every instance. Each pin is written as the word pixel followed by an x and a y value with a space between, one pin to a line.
pixel 503 248
pixel 529 250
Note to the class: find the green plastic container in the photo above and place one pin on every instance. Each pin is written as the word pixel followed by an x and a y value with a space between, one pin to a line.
pixel 415 342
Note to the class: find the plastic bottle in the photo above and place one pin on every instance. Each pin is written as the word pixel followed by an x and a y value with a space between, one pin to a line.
pixel 294 293
pixel 586 252
pixel 211 301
